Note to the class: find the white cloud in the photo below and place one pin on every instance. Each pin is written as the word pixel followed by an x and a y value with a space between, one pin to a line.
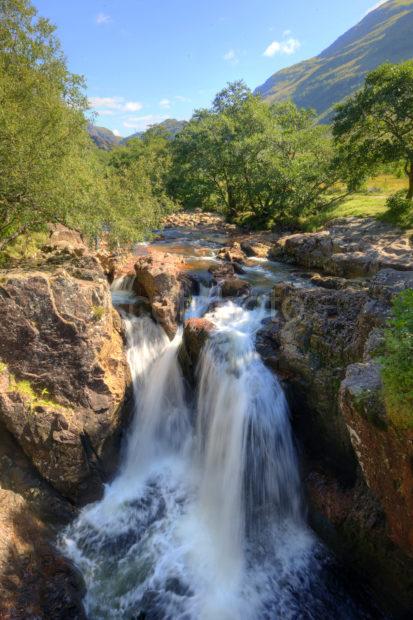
pixel 287 33
pixel 116 132
pixel 102 18
pixel 165 104
pixel 133 106
pixel 108 105
pixel 376 6
pixel 106 112
pixel 288 46
pixel 231 56
pixel 182 99
pixel 140 123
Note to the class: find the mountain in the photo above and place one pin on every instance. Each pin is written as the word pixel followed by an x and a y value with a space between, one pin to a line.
pixel 171 126
pixel 384 35
pixel 103 138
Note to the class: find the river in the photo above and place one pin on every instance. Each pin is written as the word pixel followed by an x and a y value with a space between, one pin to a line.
pixel 206 519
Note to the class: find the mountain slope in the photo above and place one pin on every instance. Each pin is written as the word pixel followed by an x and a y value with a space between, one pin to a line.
pixel 384 35
pixel 103 138
pixel 171 126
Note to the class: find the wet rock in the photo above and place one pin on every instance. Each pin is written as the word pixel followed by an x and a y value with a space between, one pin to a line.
pixel 234 287
pixel 196 334
pixel 351 521
pixel 158 277
pixel 222 271
pixel 35 581
pixel 63 373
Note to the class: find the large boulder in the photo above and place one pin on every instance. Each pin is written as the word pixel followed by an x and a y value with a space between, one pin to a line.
pixel 349 247
pixel 160 279
pixel 63 372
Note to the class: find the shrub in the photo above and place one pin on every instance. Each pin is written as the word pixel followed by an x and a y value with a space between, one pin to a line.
pixel 397 362
pixel 399 209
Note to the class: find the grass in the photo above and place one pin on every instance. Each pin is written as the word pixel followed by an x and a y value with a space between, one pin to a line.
pixel 23 248
pixel 98 312
pixel 397 366
pixel 25 389
pixel 371 202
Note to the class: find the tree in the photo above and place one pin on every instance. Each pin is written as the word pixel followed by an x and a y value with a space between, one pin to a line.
pixel 375 125
pixel 49 169
pixel 46 161
pixel 257 163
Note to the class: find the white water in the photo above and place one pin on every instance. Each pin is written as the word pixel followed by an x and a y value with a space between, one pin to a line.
pixel 204 520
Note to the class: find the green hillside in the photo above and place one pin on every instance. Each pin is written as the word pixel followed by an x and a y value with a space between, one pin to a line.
pixel 385 34
pixel 103 138
pixel 171 126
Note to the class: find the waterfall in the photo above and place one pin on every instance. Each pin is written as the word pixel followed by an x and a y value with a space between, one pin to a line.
pixel 204 519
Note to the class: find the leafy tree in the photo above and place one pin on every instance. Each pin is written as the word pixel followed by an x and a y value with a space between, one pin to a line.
pixel 49 169
pixel 375 126
pixel 253 161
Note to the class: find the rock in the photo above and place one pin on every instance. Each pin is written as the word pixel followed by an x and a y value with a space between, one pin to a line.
pixel 325 344
pixel 319 337
pixel 351 522
pixel 349 247
pixel 234 287
pixel 260 250
pixel 383 451
pixel 35 581
pixel 196 334
pixel 329 282
pixel 222 271
pixel 158 277
pixel 63 373
pixel 61 237
pixel 232 254
pixel 388 283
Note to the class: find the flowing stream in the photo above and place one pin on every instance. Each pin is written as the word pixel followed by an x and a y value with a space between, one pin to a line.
pixel 205 519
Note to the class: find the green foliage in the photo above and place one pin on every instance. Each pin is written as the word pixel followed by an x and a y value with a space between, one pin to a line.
pixel 375 126
pixel 49 169
pixel 98 312
pixel 256 163
pixel 399 210
pixel 397 363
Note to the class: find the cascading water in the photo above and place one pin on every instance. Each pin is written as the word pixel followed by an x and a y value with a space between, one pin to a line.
pixel 204 520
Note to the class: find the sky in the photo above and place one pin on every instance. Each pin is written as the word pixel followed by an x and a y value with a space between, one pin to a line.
pixel 148 60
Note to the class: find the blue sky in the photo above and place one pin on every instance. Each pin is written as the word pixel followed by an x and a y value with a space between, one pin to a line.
pixel 146 60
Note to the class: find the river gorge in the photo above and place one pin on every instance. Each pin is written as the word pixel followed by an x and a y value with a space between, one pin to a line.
pixel 232 453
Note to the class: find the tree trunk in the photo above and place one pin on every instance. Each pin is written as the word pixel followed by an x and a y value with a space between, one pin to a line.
pixel 410 192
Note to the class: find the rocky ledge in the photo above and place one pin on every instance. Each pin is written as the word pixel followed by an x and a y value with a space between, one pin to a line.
pixel 326 344
pixel 348 247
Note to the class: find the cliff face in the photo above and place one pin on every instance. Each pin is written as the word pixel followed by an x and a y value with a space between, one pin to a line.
pixel 359 474
pixel 63 371
pixel 63 403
